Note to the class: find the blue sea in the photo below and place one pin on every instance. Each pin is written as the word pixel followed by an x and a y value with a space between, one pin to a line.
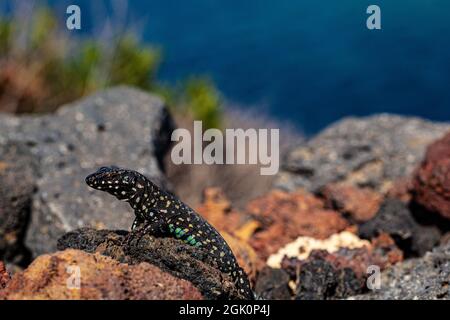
pixel 308 62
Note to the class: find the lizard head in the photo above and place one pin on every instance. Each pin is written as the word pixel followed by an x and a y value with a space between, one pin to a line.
pixel 119 182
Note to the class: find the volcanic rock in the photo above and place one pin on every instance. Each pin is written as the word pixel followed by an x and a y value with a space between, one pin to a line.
pixel 119 126
pixel 170 255
pixel 366 152
pixel 432 180
pixel 18 178
pixel 74 274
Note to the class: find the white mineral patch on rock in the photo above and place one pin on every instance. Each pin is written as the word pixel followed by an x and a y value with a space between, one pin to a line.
pixel 302 247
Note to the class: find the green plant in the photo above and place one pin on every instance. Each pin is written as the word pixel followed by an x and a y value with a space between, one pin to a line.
pixel 134 64
pixel 5 34
pixel 203 99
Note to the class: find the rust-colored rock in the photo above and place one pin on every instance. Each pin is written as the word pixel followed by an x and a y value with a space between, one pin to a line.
pixel 49 277
pixel 4 275
pixel 285 216
pixel 269 222
pixel 359 204
pixel 171 255
pixel 432 179
pixel 386 251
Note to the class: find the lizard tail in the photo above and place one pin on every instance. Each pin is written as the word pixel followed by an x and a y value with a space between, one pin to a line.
pixel 243 285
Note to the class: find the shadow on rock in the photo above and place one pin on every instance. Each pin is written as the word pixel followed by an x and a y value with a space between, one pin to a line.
pixel 396 219
pixel 18 175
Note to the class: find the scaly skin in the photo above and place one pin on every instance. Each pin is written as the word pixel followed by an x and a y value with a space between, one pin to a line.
pixel 162 214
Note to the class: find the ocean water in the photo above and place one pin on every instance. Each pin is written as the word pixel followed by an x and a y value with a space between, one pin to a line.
pixel 308 62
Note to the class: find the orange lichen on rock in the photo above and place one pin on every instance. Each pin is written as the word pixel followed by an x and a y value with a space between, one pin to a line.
pixel 54 277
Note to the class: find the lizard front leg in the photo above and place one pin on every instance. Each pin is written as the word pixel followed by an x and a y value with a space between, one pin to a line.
pixel 155 227
pixel 137 223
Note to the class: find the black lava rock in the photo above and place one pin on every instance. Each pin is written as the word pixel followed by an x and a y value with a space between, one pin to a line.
pixel 273 284
pixel 395 218
pixel 319 280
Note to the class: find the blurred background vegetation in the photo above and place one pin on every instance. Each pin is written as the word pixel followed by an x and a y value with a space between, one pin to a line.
pixel 41 69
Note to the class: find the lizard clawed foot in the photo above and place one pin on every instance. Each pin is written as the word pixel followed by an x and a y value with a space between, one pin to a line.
pixel 135 235
pixel 128 239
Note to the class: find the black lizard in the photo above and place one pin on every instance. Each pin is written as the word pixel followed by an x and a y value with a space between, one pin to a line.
pixel 162 214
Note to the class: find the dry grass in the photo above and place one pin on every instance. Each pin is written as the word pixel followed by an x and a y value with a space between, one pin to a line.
pixel 239 182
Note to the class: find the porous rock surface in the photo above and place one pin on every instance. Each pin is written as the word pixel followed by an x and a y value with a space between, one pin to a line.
pixel 419 278
pixel 396 219
pixel 284 216
pixel 341 273
pixel 120 126
pixel 368 152
pixel 432 180
pixel 357 204
pixel 170 255
pixel 273 284
pixel 18 178
pixel 302 247
pixel 4 275
pixel 74 274
pixel 320 280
